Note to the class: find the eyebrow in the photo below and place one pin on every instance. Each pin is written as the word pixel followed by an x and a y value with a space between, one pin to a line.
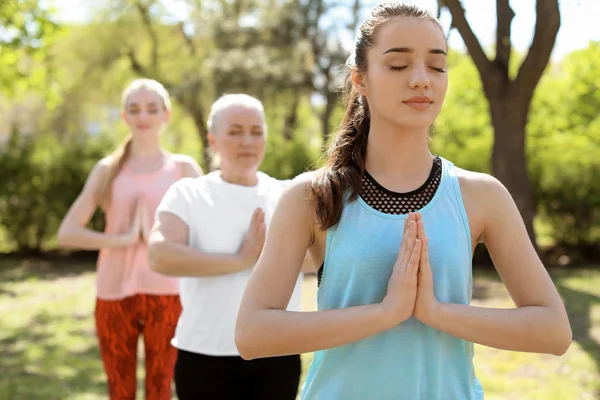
pixel 411 50
pixel 241 127
pixel 137 105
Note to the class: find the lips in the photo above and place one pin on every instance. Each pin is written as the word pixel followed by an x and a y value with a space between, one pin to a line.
pixel 419 102
pixel 419 99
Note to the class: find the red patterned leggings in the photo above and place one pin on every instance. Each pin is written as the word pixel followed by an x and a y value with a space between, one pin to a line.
pixel 119 324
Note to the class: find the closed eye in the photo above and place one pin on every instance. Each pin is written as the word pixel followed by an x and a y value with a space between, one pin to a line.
pixel 442 70
pixel 394 68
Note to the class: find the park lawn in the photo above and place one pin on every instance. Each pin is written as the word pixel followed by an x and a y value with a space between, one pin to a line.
pixel 48 348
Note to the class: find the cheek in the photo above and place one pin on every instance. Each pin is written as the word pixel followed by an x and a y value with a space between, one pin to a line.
pixel 128 118
pixel 228 145
pixel 442 88
pixel 158 118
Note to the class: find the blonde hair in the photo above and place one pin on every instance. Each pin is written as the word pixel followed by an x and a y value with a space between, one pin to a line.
pixel 231 100
pixel 121 154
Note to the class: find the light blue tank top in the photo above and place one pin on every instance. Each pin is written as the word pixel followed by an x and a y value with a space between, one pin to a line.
pixel 411 361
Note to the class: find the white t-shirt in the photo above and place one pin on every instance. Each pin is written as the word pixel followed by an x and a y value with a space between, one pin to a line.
pixel 218 214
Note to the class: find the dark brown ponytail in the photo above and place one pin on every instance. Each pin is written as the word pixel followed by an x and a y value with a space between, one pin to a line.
pixel 345 163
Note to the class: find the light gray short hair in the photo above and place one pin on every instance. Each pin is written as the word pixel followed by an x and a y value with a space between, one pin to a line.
pixel 230 100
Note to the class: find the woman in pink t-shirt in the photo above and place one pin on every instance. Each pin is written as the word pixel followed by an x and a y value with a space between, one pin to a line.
pixel 131 298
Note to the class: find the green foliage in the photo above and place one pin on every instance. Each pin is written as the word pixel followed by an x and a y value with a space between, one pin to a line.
pixel 287 158
pixel 26 32
pixel 564 143
pixel 41 179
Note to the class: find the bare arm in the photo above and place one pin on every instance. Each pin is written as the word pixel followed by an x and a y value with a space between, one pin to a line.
pixel 264 328
pixel 539 323
pixel 73 231
pixel 170 254
pixel 190 168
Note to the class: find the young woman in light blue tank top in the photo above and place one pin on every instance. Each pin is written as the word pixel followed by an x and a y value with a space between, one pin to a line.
pixel 394 319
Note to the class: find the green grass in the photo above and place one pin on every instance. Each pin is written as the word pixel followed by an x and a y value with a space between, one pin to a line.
pixel 48 348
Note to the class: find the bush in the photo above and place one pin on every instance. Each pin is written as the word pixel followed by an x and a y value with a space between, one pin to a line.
pixel 41 179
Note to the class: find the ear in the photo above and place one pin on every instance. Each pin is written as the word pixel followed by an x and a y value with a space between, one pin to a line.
pixel 167 116
pixel 124 116
pixel 211 141
pixel 359 81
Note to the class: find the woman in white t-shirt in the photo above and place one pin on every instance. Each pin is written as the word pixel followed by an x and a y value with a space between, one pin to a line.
pixel 210 232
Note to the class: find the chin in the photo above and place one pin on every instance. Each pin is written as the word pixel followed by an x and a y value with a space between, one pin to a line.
pixel 415 122
pixel 247 168
pixel 147 133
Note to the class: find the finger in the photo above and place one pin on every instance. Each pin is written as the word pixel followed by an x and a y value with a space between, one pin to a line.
pixel 255 215
pixel 413 233
pixel 413 265
pixel 424 266
pixel 255 220
pixel 138 215
pixel 420 229
pixel 262 232
pixel 259 240
pixel 402 250
pixel 409 242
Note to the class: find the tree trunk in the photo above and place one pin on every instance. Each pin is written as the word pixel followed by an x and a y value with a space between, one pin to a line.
pixel 331 101
pixel 203 135
pixel 291 119
pixel 197 114
pixel 510 99
pixel 509 162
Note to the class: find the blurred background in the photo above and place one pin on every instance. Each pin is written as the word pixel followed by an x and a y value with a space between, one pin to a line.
pixel 523 104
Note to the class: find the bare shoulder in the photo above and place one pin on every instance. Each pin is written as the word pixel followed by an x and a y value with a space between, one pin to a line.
pixel 480 187
pixel 103 163
pixel 487 201
pixel 182 158
pixel 188 165
pixel 296 202
pixel 296 193
pixel 101 169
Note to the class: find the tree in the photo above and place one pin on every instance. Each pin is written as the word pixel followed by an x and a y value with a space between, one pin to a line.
pixel 218 47
pixel 328 53
pixel 26 31
pixel 509 97
pixel 564 141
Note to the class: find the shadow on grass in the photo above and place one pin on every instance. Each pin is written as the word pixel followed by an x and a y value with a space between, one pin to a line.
pixel 579 307
pixel 482 282
pixel 35 365
pixel 14 270
pixel 37 361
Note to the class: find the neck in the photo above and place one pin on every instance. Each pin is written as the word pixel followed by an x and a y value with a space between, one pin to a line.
pixel 398 158
pixel 243 179
pixel 145 149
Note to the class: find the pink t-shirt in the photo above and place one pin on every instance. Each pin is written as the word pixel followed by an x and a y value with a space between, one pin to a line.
pixel 124 271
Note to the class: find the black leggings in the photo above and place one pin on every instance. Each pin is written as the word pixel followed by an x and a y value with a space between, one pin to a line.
pixel 202 377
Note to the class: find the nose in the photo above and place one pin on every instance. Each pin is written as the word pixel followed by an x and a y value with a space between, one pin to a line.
pixel 419 78
pixel 247 139
pixel 143 115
